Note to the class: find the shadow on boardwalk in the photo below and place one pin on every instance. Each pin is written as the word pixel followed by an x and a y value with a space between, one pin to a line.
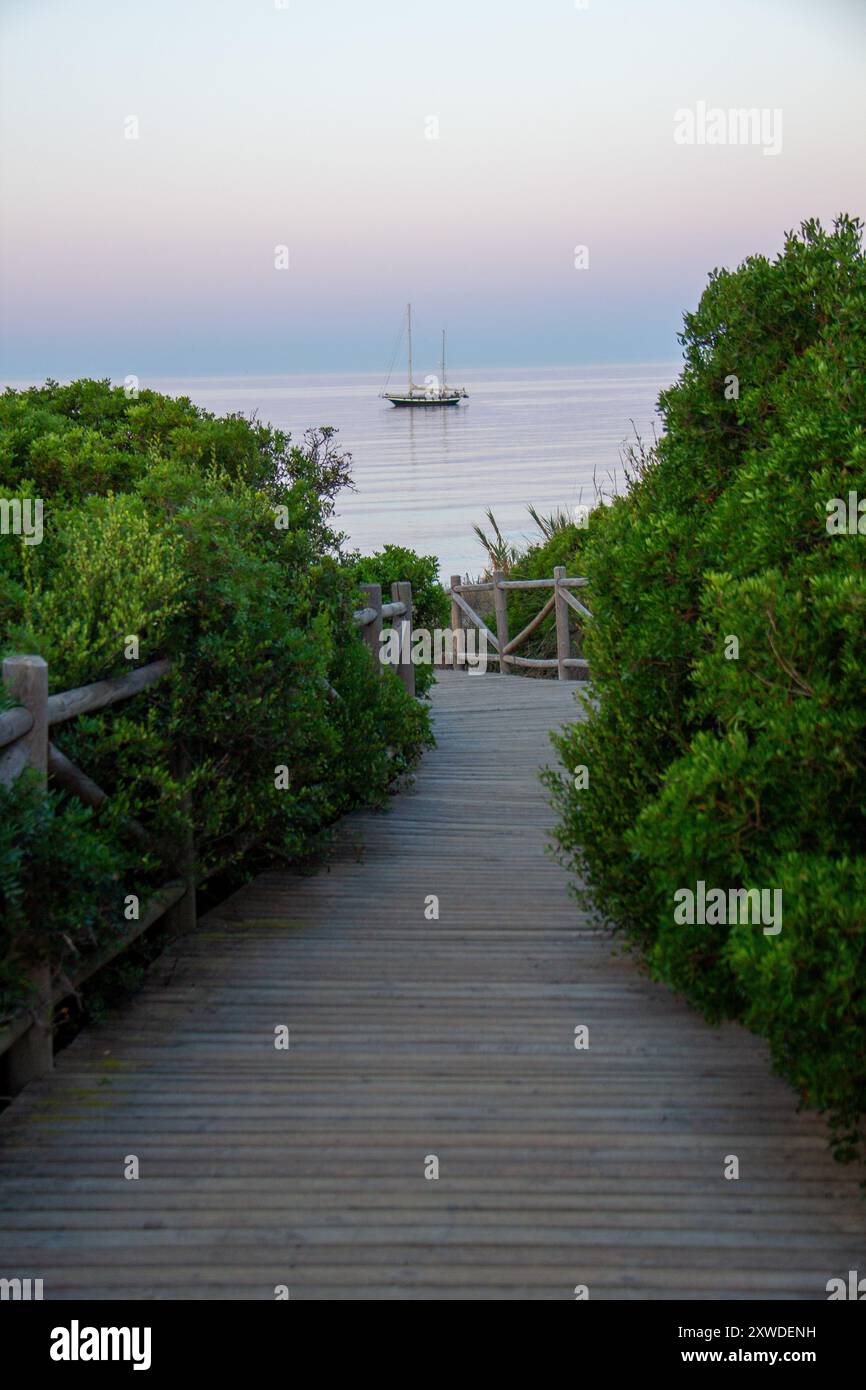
pixel 412 1038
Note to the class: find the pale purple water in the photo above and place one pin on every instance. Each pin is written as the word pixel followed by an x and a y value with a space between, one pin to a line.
pixel 423 477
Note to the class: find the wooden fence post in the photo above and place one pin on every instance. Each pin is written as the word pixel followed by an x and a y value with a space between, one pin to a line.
pixel 563 636
pixel 26 678
pixel 457 662
pixel 401 592
pixel 500 608
pixel 373 599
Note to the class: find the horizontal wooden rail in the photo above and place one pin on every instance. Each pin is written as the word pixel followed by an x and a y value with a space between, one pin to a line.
pixel 14 724
pixel 541 583
pixel 393 610
pixel 551 662
pixel 365 616
pixel 85 699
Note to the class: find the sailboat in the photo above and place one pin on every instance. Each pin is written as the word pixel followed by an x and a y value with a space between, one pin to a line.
pixel 435 393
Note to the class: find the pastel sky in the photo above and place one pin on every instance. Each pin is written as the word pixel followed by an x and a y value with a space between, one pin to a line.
pixel 306 125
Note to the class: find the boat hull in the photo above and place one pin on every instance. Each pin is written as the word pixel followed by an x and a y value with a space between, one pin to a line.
pixel 423 401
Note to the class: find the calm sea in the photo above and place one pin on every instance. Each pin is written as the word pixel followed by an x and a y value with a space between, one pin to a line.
pixel 422 477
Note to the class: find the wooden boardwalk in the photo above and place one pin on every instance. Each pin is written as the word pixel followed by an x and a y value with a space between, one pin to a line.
pixel 409 1038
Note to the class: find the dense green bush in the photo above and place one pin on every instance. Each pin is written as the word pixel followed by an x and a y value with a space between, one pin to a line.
pixel 210 541
pixel 60 883
pixel 745 772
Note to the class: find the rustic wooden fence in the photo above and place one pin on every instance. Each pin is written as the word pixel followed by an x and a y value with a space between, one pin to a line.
pixel 27 1039
pixel 504 647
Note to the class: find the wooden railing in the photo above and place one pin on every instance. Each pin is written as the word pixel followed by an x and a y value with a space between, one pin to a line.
pixel 500 647
pixel 370 620
pixel 25 742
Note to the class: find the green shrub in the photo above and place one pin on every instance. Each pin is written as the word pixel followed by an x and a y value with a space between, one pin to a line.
pixel 744 772
pixel 211 541
pixel 60 885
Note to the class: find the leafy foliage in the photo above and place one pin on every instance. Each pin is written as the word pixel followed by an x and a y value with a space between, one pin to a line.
pixel 60 884
pixel 745 772
pixel 211 541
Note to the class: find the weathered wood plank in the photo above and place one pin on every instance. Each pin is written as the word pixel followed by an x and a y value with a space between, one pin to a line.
pixel 14 723
pixel 412 1035
pixel 573 602
pixel 85 699
pixel 474 617
pixel 65 773
pixel 530 628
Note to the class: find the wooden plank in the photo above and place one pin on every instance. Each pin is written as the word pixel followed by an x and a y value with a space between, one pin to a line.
pixel 474 617
pixel 574 603
pixel 526 584
pixel 85 699
pixel 530 627
pixel 363 616
pixel 14 723
pixel 64 772
pixel 412 1035
pixel 542 583
pixel 13 761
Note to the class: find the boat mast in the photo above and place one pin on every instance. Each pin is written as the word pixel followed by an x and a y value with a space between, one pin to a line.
pixel 409 321
pixel 442 387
